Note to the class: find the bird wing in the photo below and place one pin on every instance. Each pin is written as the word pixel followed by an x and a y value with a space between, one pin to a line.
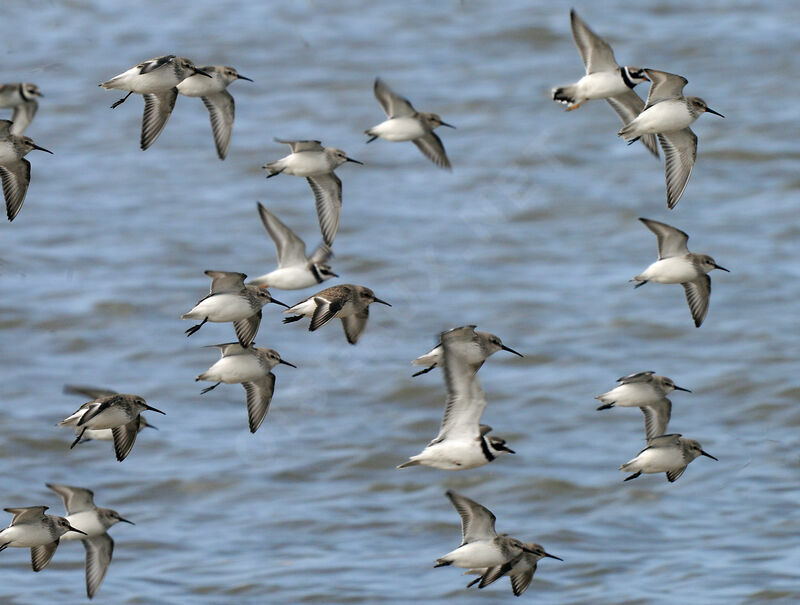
pixel 291 250
pixel 327 189
pixel 680 152
pixel 157 109
pixel 671 440
pixel 145 67
pixel 477 522
pixel 23 116
pixel 298 146
pixel 671 241
pixel 76 499
pixel 595 52
pixel 26 514
pixel 324 312
pixel 99 550
pixel 628 105
pixel 394 106
pixel 247 328
pixel 124 437
pixel 656 418
pixel 259 396
pixel 226 281
pixel 664 86
pixel 698 293
pixel 221 109
pixel 229 349
pixel 520 580
pixel 432 148
pixel 466 400
pixel 86 391
pixel 16 176
pixel 321 255
pixel 354 325
pixel 41 555
pixel 673 475
pixel 637 377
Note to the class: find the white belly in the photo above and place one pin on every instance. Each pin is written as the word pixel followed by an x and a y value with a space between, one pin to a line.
pixel 453 455
pixel 159 80
pixel 107 419
pixel 675 270
pixel 25 536
pixel 307 163
pixel 200 86
pixel 235 369
pixel 289 278
pixel 399 129
pixel 600 85
pixel 87 521
pixel 631 395
pixel 657 460
pixel 666 116
pixel 221 308
pixel 482 553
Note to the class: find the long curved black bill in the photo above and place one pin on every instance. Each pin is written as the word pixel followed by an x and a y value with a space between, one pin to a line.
pixel 354 161
pixel 446 124
pixel 286 363
pixel 383 302
pixel 708 455
pixel 277 302
pixel 77 531
pixel 152 409
pixel 721 268
pixel 244 78
pixel 677 388
pixel 716 113
pixel 553 556
pixel 43 149
pixel 126 521
pixel 201 72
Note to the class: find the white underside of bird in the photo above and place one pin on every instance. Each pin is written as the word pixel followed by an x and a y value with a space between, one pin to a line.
pixel 221 308
pixel 234 369
pixel 673 270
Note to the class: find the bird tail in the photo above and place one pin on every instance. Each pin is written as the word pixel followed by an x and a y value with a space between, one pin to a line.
pixel 627 133
pixel 565 94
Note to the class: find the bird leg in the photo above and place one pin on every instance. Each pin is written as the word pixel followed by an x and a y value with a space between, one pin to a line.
pixel 121 101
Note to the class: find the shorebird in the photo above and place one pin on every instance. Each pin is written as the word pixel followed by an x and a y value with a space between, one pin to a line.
pixel 96 393
pixel 668 454
pixel 348 302
pixel 604 79
pixel 520 570
pixel 647 391
pixel 481 546
pixel 119 412
pixel 93 523
pixel 317 163
pixel 668 115
pixel 216 98
pixel 156 80
pixel 15 170
pixel 252 367
pixel 21 97
pixel 676 265
pixel 231 300
pixel 483 346
pixel 461 443
pixel 407 124
pixel 31 528
pixel 295 269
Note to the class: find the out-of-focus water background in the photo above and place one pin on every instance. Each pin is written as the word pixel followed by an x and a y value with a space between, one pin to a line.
pixel 532 236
